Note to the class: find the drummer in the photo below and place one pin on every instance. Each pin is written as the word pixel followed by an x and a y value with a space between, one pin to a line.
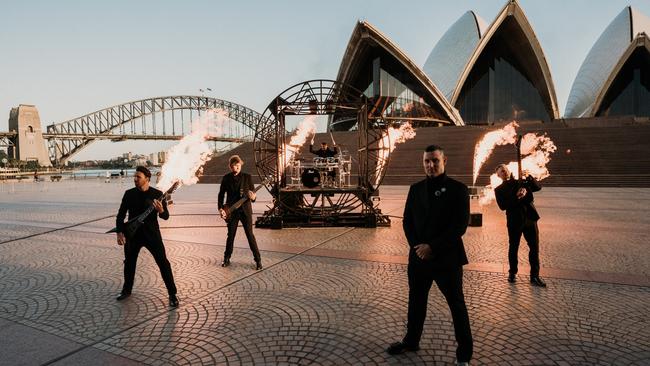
pixel 324 151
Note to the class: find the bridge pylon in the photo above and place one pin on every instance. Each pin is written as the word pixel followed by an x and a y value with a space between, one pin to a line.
pixel 29 142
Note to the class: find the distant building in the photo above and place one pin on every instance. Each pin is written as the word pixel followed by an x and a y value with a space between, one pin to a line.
pixel 140 160
pixel 614 79
pixel 162 157
pixel 153 158
pixel 482 73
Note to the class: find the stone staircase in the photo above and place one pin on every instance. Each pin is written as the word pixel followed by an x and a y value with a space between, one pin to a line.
pixel 591 153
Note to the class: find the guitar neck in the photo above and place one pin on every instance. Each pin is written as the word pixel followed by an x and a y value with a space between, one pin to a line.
pixel 241 201
pixel 150 209
pixel 519 170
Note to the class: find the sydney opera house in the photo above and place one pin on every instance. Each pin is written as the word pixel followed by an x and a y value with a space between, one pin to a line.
pixel 480 76
pixel 483 74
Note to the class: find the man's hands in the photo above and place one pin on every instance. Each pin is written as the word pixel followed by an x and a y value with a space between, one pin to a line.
pixel 158 206
pixel 521 193
pixel 251 195
pixel 121 239
pixel 423 251
pixel 222 212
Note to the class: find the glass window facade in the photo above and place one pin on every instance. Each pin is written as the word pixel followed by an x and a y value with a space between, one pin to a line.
pixel 402 102
pixel 505 82
pixel 629 94
pixel 393 92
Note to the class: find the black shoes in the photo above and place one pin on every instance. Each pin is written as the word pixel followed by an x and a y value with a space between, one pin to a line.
pixel 123 296
pixel 173 301
pixel 537 281
pixel 226 263
pixel 401 347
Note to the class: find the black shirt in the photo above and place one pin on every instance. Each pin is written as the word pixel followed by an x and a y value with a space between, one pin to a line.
pixel 437 213
pixel 235 187
pixel 135 202
pixel 517 210
pixel 323 153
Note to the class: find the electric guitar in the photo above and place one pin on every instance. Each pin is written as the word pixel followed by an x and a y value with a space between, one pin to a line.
pixel 229 209
pixel 131 226
pixel 519 170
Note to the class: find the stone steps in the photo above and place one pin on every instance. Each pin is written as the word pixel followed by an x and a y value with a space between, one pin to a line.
pixel 611 153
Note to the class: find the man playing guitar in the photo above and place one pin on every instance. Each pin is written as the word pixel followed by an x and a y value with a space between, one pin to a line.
pixel 236 185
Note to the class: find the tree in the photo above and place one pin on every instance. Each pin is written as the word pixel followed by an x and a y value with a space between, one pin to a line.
pixel 32 165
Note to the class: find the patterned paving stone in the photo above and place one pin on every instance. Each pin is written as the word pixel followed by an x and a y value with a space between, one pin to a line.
pixel 66 283
pixel 305 309
pixel 13 231
pixel 317 307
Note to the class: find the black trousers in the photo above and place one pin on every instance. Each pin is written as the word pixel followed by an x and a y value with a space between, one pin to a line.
pixel 247 224
pixel 157 250
pixel 531 234
pixel 450 283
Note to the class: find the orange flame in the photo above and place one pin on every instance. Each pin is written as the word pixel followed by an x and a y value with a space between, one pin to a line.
pixel 538 148
pixel 305 128
pixel 387 144
pixel 187 157
pixel 483 148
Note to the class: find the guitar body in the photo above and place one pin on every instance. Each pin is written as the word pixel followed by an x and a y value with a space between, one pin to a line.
pixel 229 209
pixel 131 226
pixel 227 213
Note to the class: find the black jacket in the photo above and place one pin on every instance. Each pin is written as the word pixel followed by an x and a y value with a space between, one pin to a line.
pixel 135 202
pixel 327 153
pixel 437 213
pixel 517 210
pixel 234 188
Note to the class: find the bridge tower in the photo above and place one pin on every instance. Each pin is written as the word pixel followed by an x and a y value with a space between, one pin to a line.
pixel 29 144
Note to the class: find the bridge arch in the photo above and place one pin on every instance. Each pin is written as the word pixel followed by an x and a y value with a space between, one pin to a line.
pixel 138 118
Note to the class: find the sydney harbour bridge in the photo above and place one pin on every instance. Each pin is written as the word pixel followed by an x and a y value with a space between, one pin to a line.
pixel 159 118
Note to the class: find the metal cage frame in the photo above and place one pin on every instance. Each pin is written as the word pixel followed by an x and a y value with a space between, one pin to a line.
pixel 336 206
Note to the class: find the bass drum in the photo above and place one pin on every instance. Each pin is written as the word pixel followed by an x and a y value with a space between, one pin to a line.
pixel 310 178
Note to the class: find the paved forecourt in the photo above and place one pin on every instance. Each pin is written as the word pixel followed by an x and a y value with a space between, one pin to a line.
pixel 327 296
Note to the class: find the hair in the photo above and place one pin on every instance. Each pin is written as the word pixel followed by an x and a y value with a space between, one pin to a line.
pixel 324 143
pixel 143 170
pixel 432 148
pixel 501 165
pixel 235 159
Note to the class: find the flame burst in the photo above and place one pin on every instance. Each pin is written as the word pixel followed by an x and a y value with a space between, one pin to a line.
pixel 305 128
pixel 538 149
pixel 387 144
pixel 483 148
pixel 187 157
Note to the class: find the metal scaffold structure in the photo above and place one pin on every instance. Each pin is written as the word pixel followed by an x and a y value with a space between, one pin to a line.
pixel 320 191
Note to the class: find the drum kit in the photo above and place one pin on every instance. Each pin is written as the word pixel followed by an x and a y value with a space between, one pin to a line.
pixel 333 172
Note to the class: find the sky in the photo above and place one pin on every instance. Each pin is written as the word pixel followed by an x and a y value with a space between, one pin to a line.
pixel 70 58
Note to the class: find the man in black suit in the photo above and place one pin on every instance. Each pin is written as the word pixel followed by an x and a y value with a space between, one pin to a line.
pixel 516 199
pixel 324 151
pixel 436 216
pixel 136 201
pixel 234 186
